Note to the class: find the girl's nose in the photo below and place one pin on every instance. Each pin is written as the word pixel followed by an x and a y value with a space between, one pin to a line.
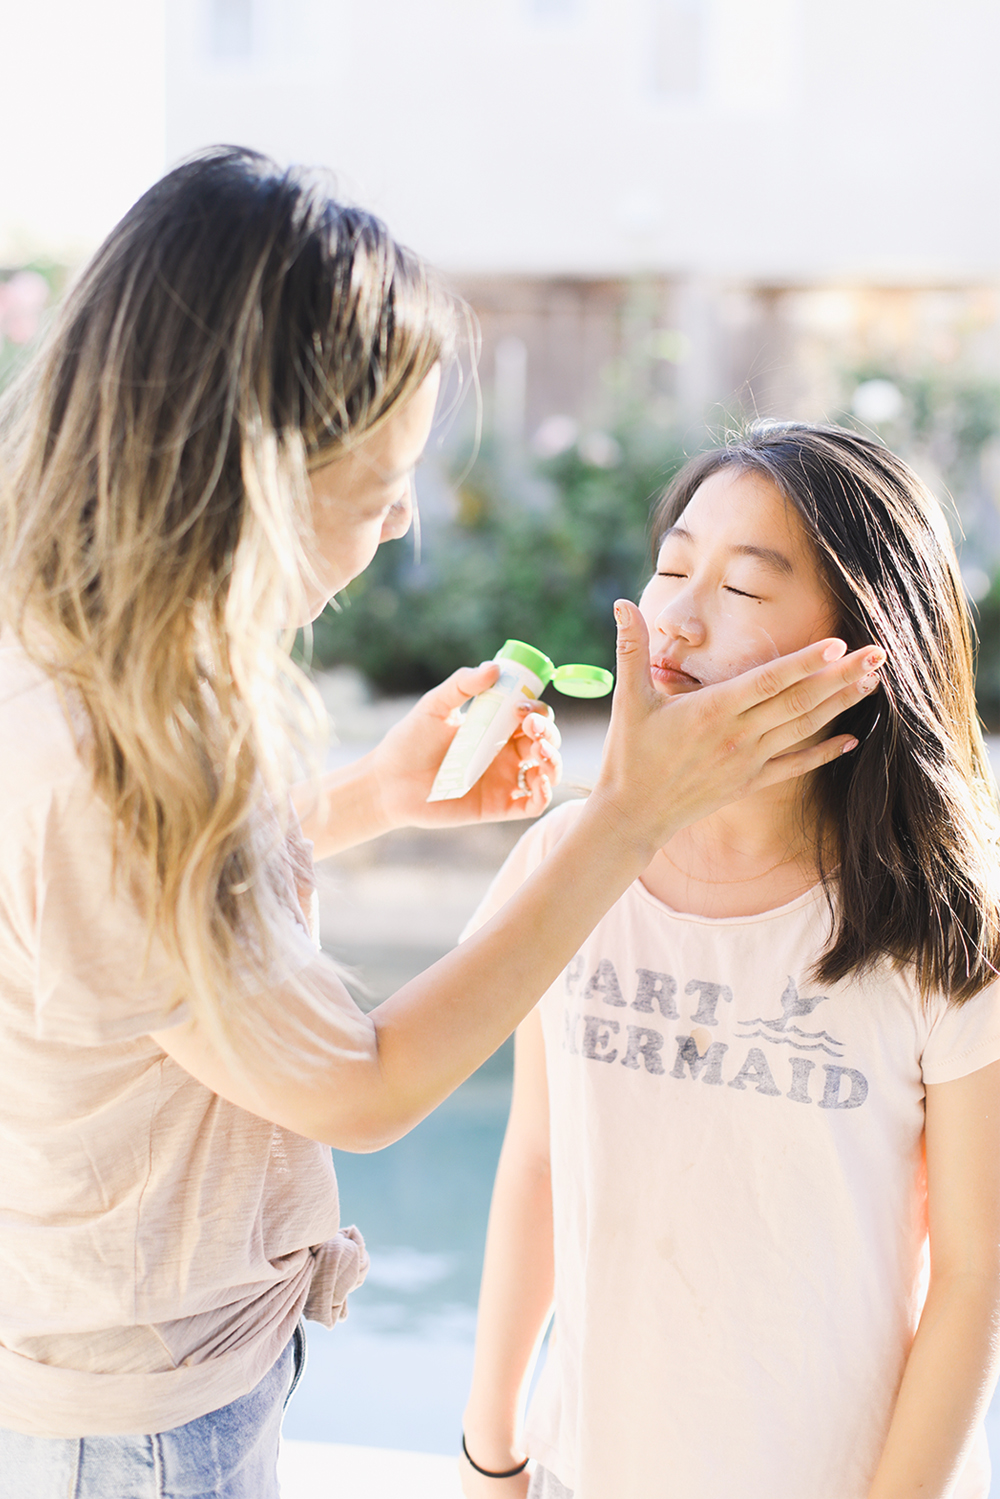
pixel 679 621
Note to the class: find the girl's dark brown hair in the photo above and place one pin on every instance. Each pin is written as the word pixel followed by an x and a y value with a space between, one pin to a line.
pixel 914 808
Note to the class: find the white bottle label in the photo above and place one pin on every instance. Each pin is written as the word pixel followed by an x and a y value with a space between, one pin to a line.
pixel 489 721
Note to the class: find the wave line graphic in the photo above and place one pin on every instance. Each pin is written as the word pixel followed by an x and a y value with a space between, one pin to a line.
pixel 788 1041
pixel 779 1025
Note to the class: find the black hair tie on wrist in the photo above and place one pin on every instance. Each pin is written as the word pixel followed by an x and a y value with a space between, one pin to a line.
pixel 509 1473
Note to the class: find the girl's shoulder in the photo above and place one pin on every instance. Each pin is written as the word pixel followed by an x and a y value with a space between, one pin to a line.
pixel 525 857
pixel 544 834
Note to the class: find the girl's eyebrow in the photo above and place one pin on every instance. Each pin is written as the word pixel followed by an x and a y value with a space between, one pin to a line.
pixel 770 556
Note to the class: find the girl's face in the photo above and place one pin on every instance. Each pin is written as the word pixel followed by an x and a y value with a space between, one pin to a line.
pixel 365 496
pixel 736 584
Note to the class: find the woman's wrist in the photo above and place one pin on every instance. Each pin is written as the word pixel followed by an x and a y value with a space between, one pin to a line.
pixel 610 820
pixel 344 808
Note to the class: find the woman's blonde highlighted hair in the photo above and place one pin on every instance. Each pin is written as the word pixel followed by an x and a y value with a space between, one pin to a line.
pixel 236 329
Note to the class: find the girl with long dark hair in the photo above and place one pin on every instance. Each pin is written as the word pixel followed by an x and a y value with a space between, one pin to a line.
pixel 768 1084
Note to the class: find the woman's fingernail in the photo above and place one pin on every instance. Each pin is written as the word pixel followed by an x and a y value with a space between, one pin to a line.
pixel 834 651
pixel 875 659
pixel 620 614
pixel 870 682
pixel 851 744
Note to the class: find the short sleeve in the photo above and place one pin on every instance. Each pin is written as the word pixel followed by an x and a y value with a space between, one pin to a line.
pixel 521 862
pixel 101 975
pixel 962 1038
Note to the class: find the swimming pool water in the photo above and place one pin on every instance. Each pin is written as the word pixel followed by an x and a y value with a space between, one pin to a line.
pixel 396 1372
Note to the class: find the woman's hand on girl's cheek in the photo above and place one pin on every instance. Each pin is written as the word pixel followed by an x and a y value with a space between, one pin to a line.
pixel 670 760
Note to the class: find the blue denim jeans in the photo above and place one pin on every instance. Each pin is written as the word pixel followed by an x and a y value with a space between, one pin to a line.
pixel 231 1453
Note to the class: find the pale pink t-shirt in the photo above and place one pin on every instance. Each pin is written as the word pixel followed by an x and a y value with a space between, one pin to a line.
pixel 739 1201
pixel 157 1244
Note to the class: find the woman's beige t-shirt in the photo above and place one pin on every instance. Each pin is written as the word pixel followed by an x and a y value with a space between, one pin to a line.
pixel 157 1244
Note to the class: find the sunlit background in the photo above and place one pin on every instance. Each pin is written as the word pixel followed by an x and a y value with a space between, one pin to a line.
pixel 669 216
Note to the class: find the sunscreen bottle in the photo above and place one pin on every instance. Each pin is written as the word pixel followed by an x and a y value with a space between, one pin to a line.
pixel 492 717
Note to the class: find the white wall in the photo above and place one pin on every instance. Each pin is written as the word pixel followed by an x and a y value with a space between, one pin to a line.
pixel 81 121
pixel 776 140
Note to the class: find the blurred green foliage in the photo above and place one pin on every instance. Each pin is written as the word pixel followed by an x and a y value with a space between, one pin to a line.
pixel 537 550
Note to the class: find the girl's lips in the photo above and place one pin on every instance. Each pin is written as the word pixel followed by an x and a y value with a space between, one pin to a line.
pixel 666 671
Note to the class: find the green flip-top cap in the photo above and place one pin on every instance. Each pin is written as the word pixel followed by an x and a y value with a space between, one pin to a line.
pixel 574 681
pixel 582 681
pixel 526 655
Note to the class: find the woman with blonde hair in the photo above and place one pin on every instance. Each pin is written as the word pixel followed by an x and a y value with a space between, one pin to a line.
pixel 218 432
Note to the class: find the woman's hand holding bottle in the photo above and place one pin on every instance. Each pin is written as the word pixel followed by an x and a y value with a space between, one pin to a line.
pixel 407 760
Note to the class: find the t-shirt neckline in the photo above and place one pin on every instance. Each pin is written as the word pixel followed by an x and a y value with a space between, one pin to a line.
pixel 806 898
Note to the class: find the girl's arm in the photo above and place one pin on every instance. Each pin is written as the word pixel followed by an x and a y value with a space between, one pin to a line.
pixel 516 1291
pixel 953 1363
pixel 667 761
pixel 388 787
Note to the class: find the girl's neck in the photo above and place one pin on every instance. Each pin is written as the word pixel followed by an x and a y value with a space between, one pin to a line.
pixel 753 856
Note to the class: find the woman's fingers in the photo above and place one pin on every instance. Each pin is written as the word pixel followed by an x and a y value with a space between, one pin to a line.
pixel 801 762
pixel 540 722
pixel 805 706
pixel 464 683
pixel 767 683
pixel 795 730
pixel 671 759
pixel 634 677
pixel 537 744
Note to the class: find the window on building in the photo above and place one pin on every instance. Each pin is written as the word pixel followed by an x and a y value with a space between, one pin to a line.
pixel 678 51
pixel 230 29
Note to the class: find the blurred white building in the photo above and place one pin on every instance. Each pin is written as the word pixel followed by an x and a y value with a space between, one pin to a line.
pixel 753 187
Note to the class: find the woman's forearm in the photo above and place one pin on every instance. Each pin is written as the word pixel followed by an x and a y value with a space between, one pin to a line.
pixel 397 1063
pixel 946 1388
pixel 341 809
pixel 439 1027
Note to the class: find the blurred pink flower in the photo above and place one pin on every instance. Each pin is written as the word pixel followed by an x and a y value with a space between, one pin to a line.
pixel 22 300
